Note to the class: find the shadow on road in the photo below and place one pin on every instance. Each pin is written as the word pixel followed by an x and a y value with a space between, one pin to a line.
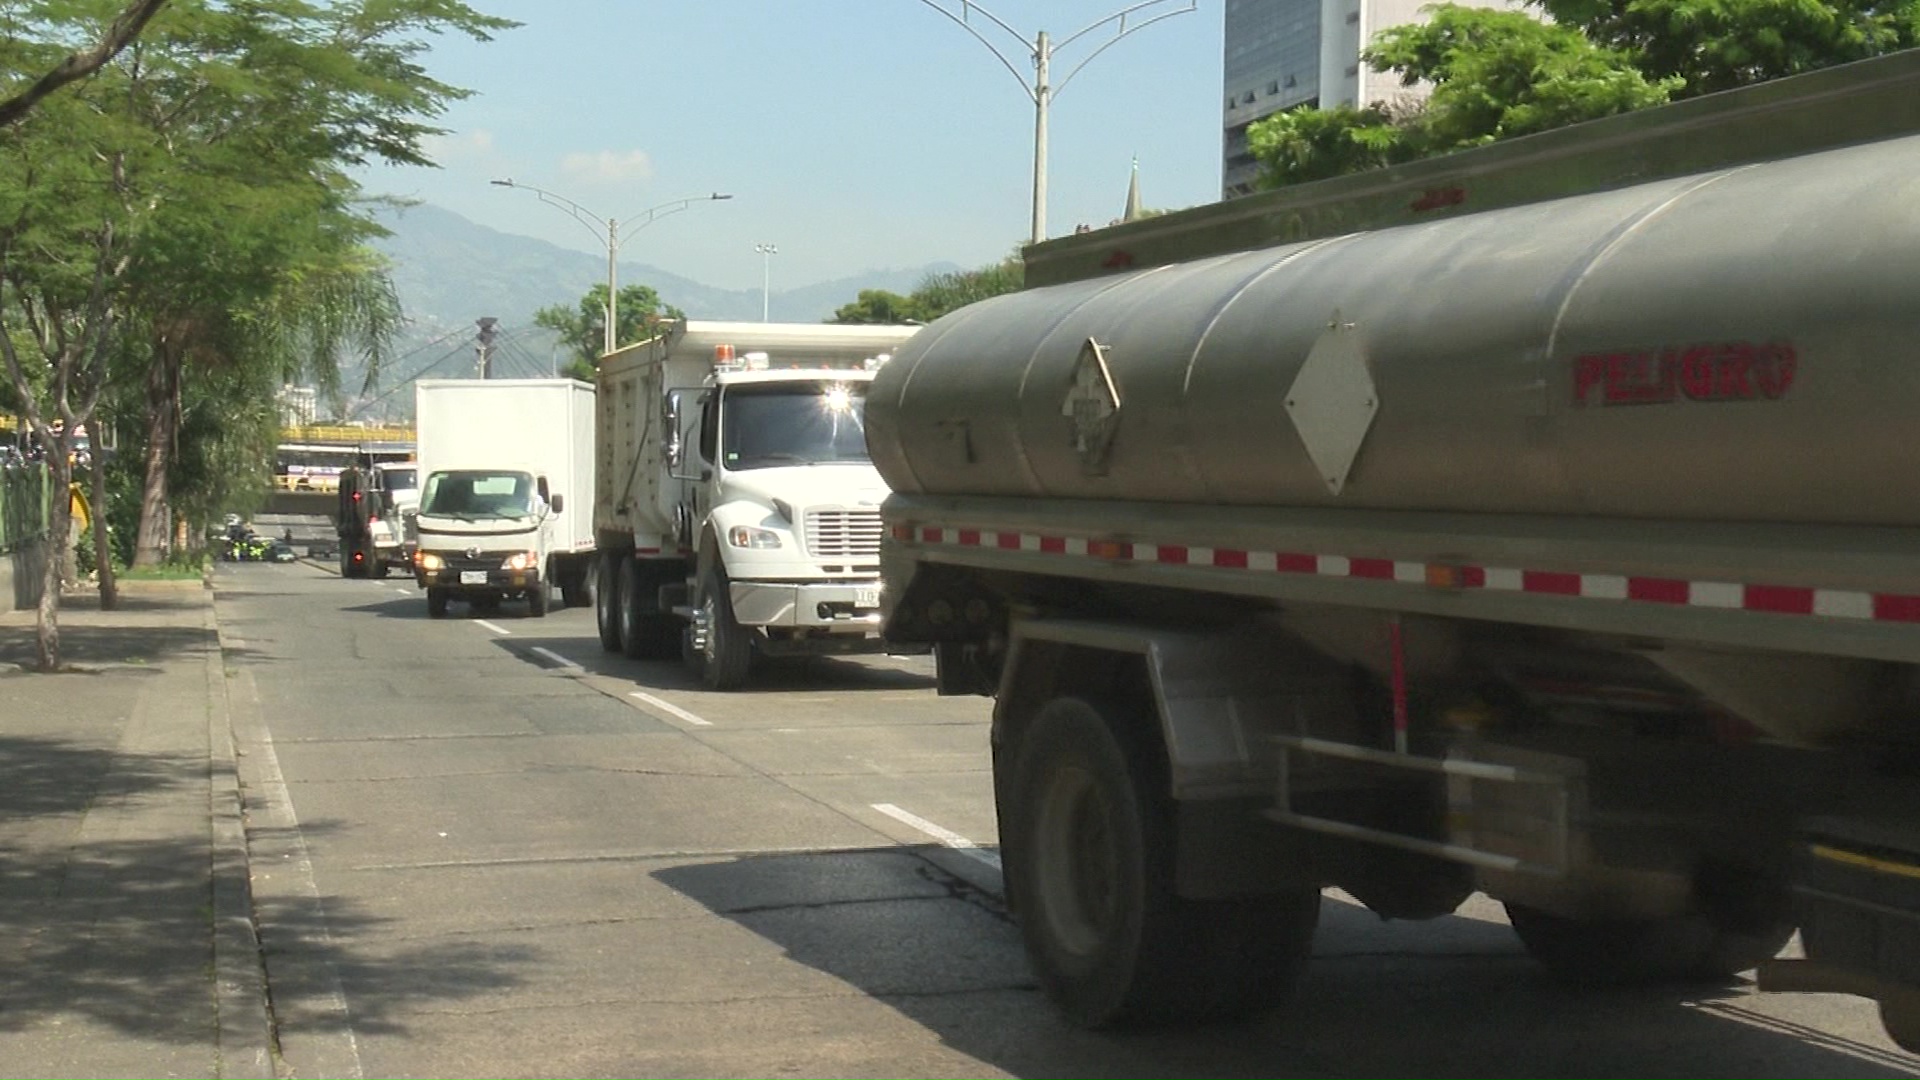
pixel 898 929
pixel 107 901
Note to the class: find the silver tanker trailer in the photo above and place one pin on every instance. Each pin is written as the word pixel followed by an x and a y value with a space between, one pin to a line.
pixel 1567 551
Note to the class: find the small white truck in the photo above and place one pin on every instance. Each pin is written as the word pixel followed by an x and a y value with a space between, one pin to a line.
pixel 502 461
pixel 736 513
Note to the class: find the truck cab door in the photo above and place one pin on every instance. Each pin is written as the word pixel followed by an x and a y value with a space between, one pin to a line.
pixel 686 460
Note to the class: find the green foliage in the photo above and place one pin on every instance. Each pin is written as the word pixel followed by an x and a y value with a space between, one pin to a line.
pixel 583 328
pixel 1299 145
pixel 936 295
pixel 877 307
pixel 1500 74
pixel 1721 44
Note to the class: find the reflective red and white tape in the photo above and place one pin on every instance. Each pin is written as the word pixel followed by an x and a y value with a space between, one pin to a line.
pixel 1723 595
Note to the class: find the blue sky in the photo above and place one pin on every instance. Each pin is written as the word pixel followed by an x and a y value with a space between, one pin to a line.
pixel 853 134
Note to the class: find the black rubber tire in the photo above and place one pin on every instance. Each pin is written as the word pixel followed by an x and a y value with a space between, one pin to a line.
pixel 1700 947
pixel 606 599
pixel 644 634
pixel 378 566
pixel 436 602
pixel 727 661
pixel 1090 855
pixel 574 591
pixel 537 597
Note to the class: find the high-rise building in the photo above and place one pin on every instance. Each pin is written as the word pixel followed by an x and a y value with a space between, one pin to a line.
pixel 1281 54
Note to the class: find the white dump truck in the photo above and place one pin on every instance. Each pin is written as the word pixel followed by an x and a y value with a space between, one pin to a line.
pixel 506 470
pixel 1565 550
pixel 736 513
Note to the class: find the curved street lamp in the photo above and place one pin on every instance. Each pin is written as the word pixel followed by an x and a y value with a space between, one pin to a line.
pixel 609 235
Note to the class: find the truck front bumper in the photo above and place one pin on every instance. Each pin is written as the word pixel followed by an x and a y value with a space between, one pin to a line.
pixel 478 582
pixel 833 607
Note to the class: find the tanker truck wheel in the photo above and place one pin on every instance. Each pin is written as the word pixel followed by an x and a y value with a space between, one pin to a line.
pixel 723 654
pixel 1090 860
pixel 605 582
pixel 1741 922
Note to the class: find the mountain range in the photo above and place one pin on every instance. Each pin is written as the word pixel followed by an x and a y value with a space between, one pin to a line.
pixel 450 271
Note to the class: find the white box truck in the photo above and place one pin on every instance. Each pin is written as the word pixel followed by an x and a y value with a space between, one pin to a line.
pixel 507 479
pixel 736 512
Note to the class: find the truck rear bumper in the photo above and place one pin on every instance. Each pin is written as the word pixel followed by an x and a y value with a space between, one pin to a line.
pixel 837 608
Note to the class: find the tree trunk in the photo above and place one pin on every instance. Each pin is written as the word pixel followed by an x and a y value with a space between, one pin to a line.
pixel 59 524
pixel 102 538
pixel 163 393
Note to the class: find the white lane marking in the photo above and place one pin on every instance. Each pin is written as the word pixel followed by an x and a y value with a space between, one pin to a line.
pixel 275 811
pixel 946 836
pixel 403 592
pixel 555 657
pixel 670 709
pixel 501 630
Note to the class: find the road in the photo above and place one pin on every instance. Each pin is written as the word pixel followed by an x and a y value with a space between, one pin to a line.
pixel 481 846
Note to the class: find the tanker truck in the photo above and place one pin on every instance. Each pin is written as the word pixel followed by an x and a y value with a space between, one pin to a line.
pixel 1564 551
pixel 735 514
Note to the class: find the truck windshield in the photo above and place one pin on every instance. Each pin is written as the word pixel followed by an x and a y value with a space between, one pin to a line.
pixel 773 424
pixel 402 480
pixel 473 493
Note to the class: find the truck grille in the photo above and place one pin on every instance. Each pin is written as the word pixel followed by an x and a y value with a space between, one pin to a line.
pixel 843 533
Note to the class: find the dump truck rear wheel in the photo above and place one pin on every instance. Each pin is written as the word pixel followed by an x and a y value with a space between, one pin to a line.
pixel 606 599
pixel 1091 869
pixel 645 632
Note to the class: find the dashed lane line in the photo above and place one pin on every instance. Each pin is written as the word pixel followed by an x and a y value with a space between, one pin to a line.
pixel 669 708
pixel 946 836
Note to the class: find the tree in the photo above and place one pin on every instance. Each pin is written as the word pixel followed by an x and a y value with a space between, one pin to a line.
pixel 936 295
pixel 1299 145
pixel 583 328
pixel 78 65
pixel 194 191
pixel 1721 44
pixel 877 307
pixel 1494 75
pixel 1499 74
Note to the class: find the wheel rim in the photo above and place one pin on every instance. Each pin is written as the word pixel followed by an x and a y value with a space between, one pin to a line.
pixel 1078 867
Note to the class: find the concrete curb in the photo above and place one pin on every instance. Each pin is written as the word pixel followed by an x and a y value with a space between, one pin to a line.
pixel 245 1033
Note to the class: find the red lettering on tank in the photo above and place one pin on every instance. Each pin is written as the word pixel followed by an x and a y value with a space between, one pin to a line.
pixel 1730 379
pixel 1589 371
pixel 1702 372
pixel 1774 373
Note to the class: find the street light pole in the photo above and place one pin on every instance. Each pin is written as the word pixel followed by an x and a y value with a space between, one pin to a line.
pixel 767 252
pixel 1040 52
pixel 609 235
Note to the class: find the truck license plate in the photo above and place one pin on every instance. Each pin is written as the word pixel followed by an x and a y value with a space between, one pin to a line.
pixel 473 577
pixel 866 598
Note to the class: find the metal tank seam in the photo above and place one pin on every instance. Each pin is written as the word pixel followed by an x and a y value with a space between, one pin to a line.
pixel 1571 287
pixel 1213 320
pixel 1020 393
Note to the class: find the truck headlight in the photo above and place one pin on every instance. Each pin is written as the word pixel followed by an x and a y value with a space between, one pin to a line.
pixel 430 561
pixel 747 536
pixel 521 560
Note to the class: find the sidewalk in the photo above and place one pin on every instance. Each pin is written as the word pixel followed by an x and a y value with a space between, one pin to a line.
pixel 126 939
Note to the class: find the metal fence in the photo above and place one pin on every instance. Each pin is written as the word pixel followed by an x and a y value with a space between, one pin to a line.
pixel 23 504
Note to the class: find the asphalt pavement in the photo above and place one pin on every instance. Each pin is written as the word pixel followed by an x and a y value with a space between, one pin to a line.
pixel 127 945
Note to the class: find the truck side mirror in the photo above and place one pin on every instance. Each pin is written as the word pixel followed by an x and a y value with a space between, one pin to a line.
pixel 558 502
